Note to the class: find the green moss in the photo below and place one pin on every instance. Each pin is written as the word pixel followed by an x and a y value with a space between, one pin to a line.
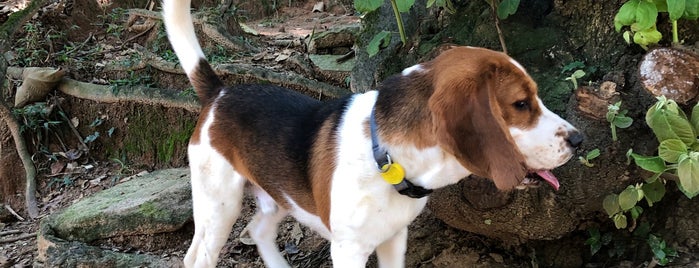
pixel 152 136
pixel 152 211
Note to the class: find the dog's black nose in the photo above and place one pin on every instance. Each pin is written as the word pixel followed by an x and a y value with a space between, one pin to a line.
pixel 575 138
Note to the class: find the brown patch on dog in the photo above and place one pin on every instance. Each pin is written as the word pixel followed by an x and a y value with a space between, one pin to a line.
pixel 401 109
pixel 196 134
pixel 322 168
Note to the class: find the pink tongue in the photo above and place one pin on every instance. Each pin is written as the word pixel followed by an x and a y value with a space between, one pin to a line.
pixel 550 178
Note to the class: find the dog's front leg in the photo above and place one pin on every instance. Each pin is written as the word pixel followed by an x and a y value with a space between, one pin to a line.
pixel 391 253
pixel 349 253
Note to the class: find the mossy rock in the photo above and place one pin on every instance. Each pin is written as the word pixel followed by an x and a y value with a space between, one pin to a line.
pixel 154 203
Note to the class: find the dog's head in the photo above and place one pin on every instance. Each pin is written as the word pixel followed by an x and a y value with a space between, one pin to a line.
pixel 486 112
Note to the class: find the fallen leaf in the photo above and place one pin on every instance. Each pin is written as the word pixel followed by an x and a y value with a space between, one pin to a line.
pixel 57 167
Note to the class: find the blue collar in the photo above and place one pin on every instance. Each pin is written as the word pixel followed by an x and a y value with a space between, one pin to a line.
pixel 389 170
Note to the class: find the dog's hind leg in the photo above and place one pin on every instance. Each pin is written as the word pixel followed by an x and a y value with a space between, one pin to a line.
pixel 217 195
pixel 391 253
pixel 263 229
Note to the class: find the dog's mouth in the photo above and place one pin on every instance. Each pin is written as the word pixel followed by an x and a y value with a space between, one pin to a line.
pixel 534 178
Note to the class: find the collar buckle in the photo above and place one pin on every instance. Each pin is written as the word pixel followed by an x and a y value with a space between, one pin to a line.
pixel 392 172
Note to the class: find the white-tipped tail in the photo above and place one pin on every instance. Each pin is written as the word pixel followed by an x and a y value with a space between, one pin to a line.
pixel 180 31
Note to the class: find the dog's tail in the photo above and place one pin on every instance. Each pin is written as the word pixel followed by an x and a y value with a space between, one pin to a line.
pixel 180 31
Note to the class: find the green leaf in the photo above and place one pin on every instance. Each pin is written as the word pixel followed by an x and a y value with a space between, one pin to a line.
pixel 623 121
pixel 578 74
pixel 366 6
pixel 379 41
pixel 628 198
pixel 430 3
pixel 507 8
pixel 611 204
pixel 627 37
pixel 691 10
pixel 636 212
pixel 647 37
pixel 653 164
pixel 695 116
pixel 675 8
pixel 404 5
pixel 688 172
pixel 626 14
pixel 646 15
pixel 653 191
pixel 653 178
pixel 594 241
pixel 661 5
pixel 592 154
pixel 668 122
pixel 620 221
pixel 670 150
pixel 573 65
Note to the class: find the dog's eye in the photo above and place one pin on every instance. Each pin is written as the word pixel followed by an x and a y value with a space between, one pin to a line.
pixel 522 105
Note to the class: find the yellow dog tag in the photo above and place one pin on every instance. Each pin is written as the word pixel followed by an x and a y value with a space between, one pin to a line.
pixel 393 173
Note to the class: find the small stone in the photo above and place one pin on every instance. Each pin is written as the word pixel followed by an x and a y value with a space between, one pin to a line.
pixel 497 257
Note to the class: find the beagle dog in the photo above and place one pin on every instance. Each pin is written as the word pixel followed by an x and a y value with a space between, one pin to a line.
pixel 358 169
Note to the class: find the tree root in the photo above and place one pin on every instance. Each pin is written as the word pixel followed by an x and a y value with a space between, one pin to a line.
pixel 29 169
pixel 213 32
pixel 264 74
pixel 21 147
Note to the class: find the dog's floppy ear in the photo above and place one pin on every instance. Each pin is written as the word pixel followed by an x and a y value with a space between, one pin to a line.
pixel 468 123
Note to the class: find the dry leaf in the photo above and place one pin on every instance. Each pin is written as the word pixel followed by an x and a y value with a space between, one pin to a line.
pixel 37 83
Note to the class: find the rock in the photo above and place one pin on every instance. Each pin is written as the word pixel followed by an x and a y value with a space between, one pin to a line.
pixel 671 72
pixel 154 203
pixel 330 63
pixel 333 41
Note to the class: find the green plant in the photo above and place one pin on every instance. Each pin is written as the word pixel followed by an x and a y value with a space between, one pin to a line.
pixel 618 243
pixel 572 66
pixel 132 80
pixel 573 78
pixel 678 152
pixel 597 240
pixel 64 181
pixel 588 157
pixel 678 158
pixel 112 21
pixel 641 17
pixel 505 8
pixel 661 251
pixel 399 6
pixel 617 118
pixel 39 119
pixel 31 47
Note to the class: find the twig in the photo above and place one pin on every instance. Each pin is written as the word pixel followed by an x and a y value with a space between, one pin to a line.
pixel 81 44
pixel 10 232
pixel 497 26
pixel 345 57
pixel 83 146
pixel 7 206
pixel 17 238
pixel 140 34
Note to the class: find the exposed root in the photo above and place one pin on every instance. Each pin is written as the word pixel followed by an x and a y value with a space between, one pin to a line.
pixel 213 32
